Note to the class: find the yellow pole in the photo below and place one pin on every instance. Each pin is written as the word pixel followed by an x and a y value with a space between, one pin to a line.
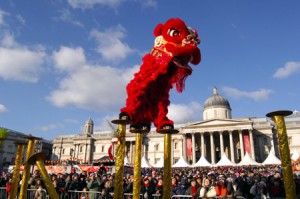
pixel 137 166
pixel 39 159
pixel 287 171
pixel 167 190
pixel 120 154
pixel 16 175
pixel 26 172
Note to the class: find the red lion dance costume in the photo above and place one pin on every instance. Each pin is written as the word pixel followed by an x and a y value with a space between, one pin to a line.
pixel 166 65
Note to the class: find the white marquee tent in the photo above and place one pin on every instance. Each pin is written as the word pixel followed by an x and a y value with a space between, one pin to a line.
pixel 181 163
pixel 202 162
pixel 126 161
pixel 271 159
pixel 247 160
pixel 145 163
pixel 160 163
pixel 224 161
pixel 295 155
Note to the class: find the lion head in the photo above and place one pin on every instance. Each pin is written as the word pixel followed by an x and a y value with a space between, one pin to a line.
pixel 176 40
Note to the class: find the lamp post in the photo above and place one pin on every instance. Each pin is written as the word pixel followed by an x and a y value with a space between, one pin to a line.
pixel 71 155
pixel 37 146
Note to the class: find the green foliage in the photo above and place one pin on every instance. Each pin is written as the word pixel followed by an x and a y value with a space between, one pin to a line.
pixel 3 134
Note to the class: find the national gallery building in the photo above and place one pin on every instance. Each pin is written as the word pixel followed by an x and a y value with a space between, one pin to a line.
pixel 218 134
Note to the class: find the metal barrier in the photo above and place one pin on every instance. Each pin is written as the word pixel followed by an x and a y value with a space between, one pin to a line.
pixel 82 194
pixel 3 193
pixel 37 193
pixel 181 196
pixel 130 196
pixel 31 193
pixel 156 196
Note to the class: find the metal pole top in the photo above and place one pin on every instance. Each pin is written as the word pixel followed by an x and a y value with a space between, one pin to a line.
pixel 280 113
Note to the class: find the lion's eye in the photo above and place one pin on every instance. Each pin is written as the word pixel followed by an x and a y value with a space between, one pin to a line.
pixel 174 32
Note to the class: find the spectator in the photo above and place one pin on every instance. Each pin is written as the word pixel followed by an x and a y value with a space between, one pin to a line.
pixel 221 187
pixel 39 194
pixel 174 185
pixel 84 194
pixel 193 190
pixel 129 186
pixel 8 187
pixel 102 170
pixel 93 185
pixel 183 185
pixel 159 187
pixel 147 189
pixel 208 190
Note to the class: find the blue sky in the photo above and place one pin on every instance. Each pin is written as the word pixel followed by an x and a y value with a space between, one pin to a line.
pixel 63 61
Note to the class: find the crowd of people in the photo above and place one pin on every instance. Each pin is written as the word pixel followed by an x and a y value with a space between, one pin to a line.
pixel 228 182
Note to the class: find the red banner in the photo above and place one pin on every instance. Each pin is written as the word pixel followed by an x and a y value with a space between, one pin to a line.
pixel 189 147
pixel 247 146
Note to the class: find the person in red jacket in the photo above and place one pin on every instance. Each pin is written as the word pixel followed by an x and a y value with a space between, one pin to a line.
pixel 8 188
pixel 221 187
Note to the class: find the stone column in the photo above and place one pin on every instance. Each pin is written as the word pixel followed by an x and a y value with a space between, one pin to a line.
pixel 53 153
pixel 252 144
pixel 241 144
pixel 202 144
pixel 221 143
pixel 183 144
pixel 212 148
pixel 193 148
pixel 76 145
pixel 231 147
pixel 130 152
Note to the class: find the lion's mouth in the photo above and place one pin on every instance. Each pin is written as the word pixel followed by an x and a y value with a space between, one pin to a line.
pixel 182 61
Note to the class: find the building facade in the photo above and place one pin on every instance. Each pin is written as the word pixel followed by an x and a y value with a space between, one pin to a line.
pixel 216 135
pixel 9 147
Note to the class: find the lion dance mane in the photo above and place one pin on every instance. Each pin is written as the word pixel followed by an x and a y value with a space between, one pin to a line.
pixel 165 66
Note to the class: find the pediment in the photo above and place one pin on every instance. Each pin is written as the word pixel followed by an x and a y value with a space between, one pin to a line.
pixel 218 122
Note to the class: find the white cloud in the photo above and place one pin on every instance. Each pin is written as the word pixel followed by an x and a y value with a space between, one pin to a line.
pixel 2 108
pixel 21 20
pixel 87 86
pixel 149 3
pixel 261 94
pixel 24 64
pixel 90 3
pixel 66 16
pixel 71 121
pixel 288 69
pixel 48 127
pixel 94 88
pixel 182 113
pixel 110 45
pixel 2 14
pixel 69 59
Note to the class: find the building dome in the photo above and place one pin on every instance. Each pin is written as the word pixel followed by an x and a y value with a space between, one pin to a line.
pixel 216 106
pixel 216 100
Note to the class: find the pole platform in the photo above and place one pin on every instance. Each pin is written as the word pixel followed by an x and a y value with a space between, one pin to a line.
pixel 121 121
pixel 168 131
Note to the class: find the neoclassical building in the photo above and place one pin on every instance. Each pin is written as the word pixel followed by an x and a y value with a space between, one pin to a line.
pixel 218 133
